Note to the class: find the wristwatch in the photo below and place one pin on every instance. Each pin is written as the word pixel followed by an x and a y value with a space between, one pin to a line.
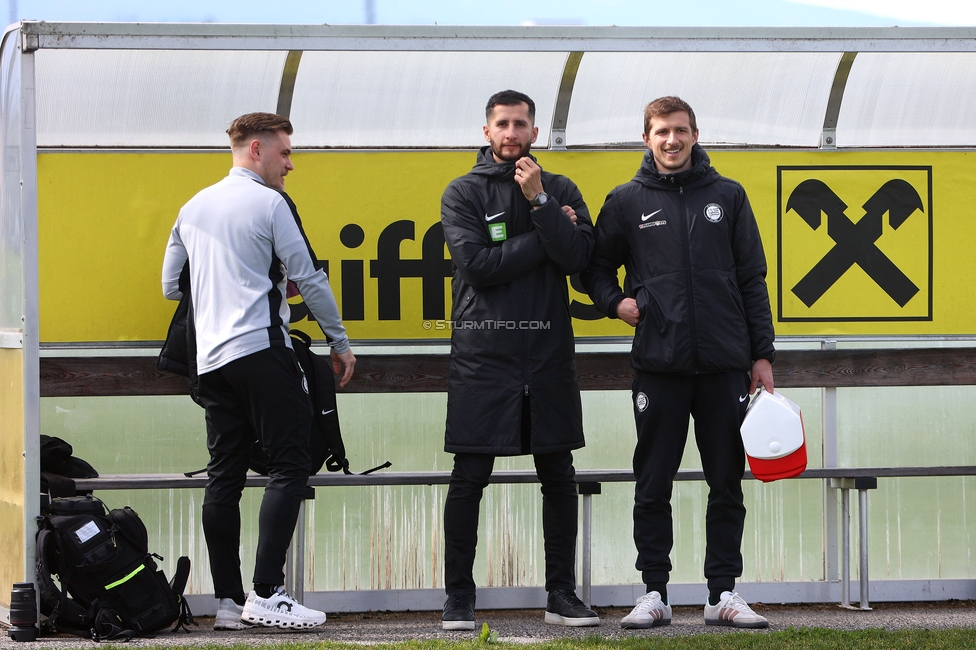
pixel 539 200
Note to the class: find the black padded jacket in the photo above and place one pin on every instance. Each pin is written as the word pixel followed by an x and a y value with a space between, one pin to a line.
pixel 695 265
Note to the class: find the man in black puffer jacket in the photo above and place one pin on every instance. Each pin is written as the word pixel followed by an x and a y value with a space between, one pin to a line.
pixel 696 292
pixel 514 232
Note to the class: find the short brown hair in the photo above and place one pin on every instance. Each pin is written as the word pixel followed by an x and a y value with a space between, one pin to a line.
pixel 247 126
pixel 664 106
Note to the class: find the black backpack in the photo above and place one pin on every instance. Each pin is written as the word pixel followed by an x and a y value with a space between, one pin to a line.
pixel 325 442
pixel 178 356
pixel 111 587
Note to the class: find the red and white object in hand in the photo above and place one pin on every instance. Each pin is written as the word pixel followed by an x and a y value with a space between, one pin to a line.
pixel 773 437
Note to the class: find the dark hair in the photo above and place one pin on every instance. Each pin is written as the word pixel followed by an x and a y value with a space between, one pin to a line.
pixel 247 126
pixel 664 106
pixel 509 98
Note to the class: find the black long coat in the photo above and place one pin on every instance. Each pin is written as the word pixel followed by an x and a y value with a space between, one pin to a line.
pixel 512 344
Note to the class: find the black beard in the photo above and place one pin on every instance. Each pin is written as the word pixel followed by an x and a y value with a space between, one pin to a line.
pixel 521 154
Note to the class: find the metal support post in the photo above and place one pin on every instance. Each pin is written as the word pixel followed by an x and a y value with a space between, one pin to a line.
pixel 587 490
pixel 863 485
pixel 845 564
pixel 828 411
pixel 587 548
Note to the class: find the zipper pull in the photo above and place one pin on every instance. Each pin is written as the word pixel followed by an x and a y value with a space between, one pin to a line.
pixel 526 390
pixel 681 190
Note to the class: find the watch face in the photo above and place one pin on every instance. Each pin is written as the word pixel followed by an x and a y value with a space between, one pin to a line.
pixel 540 199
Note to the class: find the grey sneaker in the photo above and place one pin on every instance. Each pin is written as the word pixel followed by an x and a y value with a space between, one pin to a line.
pixel 734 612
pixel 564 608
pixel 650 611
pixel 458 612
pixel 229 616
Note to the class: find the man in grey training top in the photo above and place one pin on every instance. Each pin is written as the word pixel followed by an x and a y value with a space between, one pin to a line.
pixel 244 242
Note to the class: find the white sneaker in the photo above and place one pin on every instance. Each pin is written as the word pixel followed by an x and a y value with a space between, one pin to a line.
pixel 734 612
pixel 229 616
pixel 650 611
pixel 280 610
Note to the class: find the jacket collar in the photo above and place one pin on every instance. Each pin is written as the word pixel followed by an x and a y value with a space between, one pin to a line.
pixel 700 173
pixel 486 165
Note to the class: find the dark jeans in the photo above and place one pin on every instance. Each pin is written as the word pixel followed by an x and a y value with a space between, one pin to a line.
pixel 257 399
pixel 559 518
pixel 662 429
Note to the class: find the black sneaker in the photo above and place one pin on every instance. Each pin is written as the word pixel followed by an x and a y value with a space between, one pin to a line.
pixel 564 608
pixel 458 612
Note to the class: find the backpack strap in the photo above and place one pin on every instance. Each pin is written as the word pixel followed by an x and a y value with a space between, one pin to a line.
pixel 298 334
pixel 107 625
pixel 178 584
pixel 378 467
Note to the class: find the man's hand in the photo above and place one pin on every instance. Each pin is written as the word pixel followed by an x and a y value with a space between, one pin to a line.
pixel 343 363
pixel 529 177
pixel 628 312
pixel 762 373
pixel 570 212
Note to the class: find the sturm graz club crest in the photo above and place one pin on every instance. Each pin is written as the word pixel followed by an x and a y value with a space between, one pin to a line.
pixel 641 402
pixel 713 212
pixel 841 262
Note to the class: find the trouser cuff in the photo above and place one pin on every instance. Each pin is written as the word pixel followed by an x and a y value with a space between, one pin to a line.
pixel 724 583
pixel 652 577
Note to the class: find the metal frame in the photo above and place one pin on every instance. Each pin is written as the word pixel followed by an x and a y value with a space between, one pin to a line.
pixel 32 382
pixel 575 41
pixel 557 134
pixel 828 139
pixel 288 77
pixel 531 38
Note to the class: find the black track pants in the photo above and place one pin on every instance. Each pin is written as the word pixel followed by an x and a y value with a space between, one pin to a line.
pixel 662 404
pixel 559 518
pixel 261 397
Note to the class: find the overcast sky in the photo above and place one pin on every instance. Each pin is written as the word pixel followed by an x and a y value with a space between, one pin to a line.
pixel 852 13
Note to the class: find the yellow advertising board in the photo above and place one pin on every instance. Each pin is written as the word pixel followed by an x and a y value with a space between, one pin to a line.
pixel 875 243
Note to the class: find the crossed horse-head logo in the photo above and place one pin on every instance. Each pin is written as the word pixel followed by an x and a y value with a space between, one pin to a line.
pixel 854 243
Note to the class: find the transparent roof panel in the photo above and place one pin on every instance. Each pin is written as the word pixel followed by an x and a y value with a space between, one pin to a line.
pixel 155 98
pixel 742 98
pixel 414 99
pixel 913 99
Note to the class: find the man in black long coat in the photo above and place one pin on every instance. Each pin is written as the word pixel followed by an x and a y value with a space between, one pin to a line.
pixel 514 232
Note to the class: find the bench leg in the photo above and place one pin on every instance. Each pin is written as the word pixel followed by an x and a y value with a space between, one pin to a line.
pixel 862 496
pixel 587 547
pixel 845 563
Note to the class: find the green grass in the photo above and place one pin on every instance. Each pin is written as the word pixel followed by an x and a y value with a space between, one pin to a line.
pixel 791 639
